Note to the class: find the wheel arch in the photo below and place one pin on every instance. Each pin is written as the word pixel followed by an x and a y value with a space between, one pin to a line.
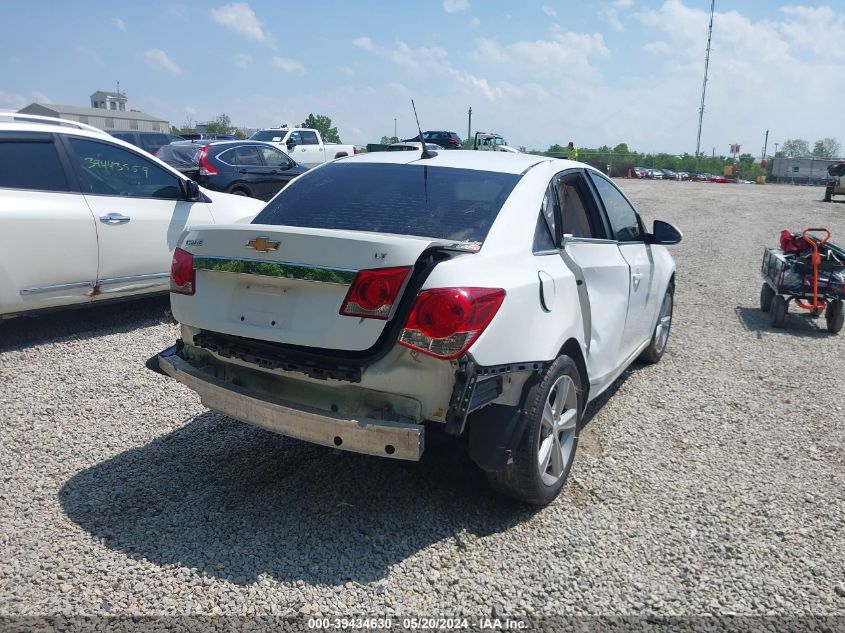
pixel 572 348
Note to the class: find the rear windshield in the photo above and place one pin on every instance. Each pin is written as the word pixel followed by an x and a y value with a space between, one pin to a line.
pixel 439 202
pixel 181 155
pixel 267 135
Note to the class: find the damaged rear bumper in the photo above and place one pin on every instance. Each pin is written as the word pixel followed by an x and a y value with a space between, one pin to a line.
pixel 396 440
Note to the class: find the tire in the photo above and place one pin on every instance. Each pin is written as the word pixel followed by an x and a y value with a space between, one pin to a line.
pixel 555 403
pixel 834 316
pixel 778 311
pixel 655 350
pixel 766 296
pixel 828 195
pixel 240 192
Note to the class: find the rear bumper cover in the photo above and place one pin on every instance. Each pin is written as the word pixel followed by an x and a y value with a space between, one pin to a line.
pixel 396 440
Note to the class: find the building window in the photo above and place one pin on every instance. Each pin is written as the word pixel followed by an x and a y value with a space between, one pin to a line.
pixel 133 124
pixel 113 105
pixel 109 122
pixel 795 169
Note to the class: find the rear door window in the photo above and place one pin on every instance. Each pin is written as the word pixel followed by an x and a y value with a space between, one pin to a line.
pixel 246 155
pixel 31 161
pixel 579 216
pixel 273 157
pixel 438 202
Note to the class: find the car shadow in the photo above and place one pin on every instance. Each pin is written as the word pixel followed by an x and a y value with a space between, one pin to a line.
pixel 797 323
pixel 82 323
pixel 236 502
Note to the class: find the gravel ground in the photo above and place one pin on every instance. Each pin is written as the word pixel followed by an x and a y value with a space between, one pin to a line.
pixel 709 483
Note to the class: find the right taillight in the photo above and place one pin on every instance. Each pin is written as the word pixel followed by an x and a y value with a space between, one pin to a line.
pixel 206 168
pixel 183 277
pixel 445 322
pixel 373 292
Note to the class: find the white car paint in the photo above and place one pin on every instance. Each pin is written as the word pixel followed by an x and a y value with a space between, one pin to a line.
pixel 598 294
pixel 304 145
pixel 56 248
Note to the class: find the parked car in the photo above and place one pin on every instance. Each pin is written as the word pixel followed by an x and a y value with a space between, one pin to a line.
pixel 87 217
pixel 491 142
pixel 719 179
pixel 304 145
pixel 197 136
pixel 383 291
pixel 668 174
pixel 148 141
pixel 655 174
pixel 175 139
pixel 446 140
pixel 705 177
pixel 412 147
pixel 244 168
pixel 640 172
pixel 835 185
pixel 683 175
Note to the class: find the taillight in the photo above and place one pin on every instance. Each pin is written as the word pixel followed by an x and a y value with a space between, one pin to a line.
pixel 183 277
pixel 453 141
pixel 373 292
pixel 206 168
pixel 446 321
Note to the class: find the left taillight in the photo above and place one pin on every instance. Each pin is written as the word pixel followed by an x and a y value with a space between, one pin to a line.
pixel 373 292
pixel 183 277
pixel 445 322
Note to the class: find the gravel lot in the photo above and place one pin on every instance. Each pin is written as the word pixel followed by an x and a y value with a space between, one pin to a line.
pixel 712 482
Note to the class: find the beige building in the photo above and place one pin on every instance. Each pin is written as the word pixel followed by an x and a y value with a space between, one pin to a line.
pixel 108 112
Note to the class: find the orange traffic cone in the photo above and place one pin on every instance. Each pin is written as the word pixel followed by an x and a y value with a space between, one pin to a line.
pixel 629 173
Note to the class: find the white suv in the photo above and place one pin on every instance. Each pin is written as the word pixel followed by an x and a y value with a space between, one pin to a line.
pixel 493 294
pixel 86 217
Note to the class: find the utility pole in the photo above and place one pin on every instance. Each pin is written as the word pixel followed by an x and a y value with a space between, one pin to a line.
pixel 776 148
pixel 469 124
pixel 704 84
pixel 765 145
pixel 394 128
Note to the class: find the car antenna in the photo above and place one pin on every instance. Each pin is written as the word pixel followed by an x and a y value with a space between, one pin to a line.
pixel 425 153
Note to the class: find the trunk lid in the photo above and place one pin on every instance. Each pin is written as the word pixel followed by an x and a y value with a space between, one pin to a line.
pixel 287 284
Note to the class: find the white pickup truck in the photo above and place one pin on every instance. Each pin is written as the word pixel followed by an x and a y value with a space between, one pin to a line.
pixel 304 145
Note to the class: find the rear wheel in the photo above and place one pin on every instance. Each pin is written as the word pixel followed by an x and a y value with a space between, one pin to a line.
pixel 828 194
pixel 552 417
pixel 778 311
pixel 834 316
pixel 766 296
pixel 240 192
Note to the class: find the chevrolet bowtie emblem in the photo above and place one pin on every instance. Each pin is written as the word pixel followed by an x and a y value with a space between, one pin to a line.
pixel 262 244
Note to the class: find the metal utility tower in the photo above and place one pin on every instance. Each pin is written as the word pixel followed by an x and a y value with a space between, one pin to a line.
pixel 704 85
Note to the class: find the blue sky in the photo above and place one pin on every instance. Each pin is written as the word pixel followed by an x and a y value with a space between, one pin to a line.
pixel 542 72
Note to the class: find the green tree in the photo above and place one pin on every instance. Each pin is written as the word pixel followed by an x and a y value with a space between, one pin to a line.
pixel 323 125
pixel 222 124
pixel 795 148
pixel 239 134
pixel 174 130
pixel 387 140
pixel 556 149
pixel 622 148
pixel 826 148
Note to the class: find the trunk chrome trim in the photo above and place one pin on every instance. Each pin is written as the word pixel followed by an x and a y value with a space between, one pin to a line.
pixel 284 270
pixel 396 440
pixel 57 287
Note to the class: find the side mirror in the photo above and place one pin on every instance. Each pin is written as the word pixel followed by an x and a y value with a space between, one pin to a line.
pixel 664 233
pixel 192 191
pixel 291 143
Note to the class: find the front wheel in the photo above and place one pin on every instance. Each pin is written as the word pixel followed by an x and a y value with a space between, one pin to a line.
pixel 544 456
pixel 766 296
pixel 777 314
pixel 655 350
pixel 828 195
pixel 834 316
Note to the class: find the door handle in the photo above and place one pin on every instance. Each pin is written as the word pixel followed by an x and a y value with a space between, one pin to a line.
pixel 635 277
pixel 114 218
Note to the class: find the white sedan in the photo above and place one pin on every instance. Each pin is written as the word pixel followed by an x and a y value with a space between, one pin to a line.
pixel 86 217
pixel 494 294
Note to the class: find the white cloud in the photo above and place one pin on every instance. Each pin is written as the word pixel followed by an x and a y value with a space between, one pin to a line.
pixel 474 23
pixel 40 97
pixel 453 6
pixel 657 48
pixel 240 18
pixel 550 11
pixel 289 65
pixel 157 58
pixel 347 70
pixel 364 43
pixel 190 110
pixel 242 61
pixel 12 100
pixel 119 24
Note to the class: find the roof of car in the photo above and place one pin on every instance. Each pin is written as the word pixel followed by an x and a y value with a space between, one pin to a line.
pixel 461 159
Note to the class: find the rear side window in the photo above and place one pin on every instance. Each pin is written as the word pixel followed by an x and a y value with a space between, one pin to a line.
pixel 31 164
pixel 181 156
pixel 439 202
pixel 153 142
